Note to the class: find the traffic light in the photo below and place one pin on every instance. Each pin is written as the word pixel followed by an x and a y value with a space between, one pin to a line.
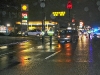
pixel 24 15
pixel 69 5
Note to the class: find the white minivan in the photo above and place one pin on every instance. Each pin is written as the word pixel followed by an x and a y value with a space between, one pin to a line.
pixel 35 32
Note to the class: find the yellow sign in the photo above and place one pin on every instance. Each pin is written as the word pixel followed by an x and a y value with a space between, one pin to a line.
pixel 24 20
pixel 62 13
pixel 24 7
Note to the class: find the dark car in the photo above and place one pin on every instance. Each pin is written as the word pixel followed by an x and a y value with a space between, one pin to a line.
pixel 67 36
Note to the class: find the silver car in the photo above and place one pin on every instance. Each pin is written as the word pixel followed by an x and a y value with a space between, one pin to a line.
pixel 67 36
pixel 35 32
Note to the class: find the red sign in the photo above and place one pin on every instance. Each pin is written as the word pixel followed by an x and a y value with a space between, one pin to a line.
pixel 69 5
pixel 24 15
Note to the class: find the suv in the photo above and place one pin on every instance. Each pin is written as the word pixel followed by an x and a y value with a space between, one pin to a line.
pixel 35 32
pixel 68 36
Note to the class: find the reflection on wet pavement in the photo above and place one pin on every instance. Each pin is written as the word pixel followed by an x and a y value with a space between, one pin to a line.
pixel 71 59
pixel 82 50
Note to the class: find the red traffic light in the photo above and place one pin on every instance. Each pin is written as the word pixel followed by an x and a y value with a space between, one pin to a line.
pixel 69 5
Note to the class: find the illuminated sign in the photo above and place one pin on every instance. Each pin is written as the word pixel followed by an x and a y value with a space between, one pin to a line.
pixel 2 29
pixel 24 7
pixel 62 13
pixel 25 15
pixel 24 20
pixel 24 23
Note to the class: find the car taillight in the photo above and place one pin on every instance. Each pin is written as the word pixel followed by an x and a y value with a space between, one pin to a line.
pixel 58 36
pixel 68 36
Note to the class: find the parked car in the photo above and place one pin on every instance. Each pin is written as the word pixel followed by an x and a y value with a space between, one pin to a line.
pixel 68 36
pixel 35 32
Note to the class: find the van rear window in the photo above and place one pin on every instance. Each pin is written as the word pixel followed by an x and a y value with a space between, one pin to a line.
pixel 66 32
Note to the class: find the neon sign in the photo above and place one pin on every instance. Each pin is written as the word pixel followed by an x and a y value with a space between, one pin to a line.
pixel 62 13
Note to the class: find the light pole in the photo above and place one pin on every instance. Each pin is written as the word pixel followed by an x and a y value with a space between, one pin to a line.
pixel 42 5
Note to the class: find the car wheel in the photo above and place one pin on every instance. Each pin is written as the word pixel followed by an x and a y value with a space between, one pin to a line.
pixel 37 34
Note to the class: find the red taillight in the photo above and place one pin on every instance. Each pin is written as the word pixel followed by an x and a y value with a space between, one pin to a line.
pixel 68 36
pixel 58 36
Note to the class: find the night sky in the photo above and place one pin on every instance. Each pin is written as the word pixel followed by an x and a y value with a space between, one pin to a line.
pixel 86 10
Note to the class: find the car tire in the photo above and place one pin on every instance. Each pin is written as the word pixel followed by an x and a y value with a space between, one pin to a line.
pixel 37 34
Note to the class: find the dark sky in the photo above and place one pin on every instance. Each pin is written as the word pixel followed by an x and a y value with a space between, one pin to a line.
pixel 86 10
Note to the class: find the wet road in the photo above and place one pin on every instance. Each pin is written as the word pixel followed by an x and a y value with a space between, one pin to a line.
pixel 33 58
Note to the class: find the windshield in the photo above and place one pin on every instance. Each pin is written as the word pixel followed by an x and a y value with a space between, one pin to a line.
pixel 66 32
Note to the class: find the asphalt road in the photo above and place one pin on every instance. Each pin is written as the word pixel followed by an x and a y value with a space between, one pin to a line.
pixel 33 58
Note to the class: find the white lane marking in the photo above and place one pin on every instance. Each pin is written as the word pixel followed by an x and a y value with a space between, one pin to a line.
pixel 52 54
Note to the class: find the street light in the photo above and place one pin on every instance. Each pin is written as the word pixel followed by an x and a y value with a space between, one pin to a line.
pixel 42 5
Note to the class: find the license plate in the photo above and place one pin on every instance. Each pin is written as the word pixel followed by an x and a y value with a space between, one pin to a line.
pixel 62 41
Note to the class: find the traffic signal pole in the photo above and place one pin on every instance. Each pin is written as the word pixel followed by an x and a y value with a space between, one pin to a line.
pixel 42 4
pixel 69 16
pixel 69 7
